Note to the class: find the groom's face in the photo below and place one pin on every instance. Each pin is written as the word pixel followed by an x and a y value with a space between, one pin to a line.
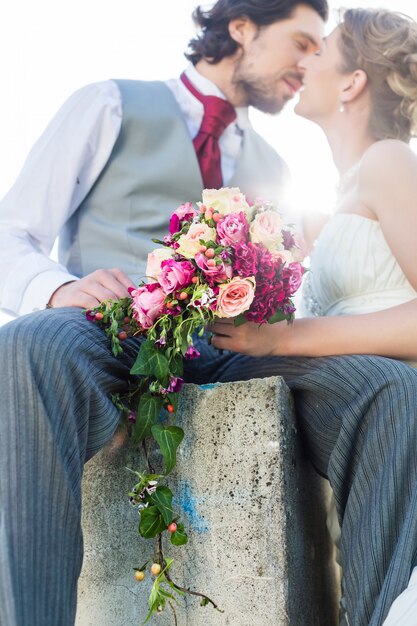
pixel 266 75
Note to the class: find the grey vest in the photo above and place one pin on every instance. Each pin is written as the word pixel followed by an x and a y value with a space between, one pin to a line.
pixel 151 170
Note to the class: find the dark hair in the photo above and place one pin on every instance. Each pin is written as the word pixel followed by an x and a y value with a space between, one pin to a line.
pixel 214 42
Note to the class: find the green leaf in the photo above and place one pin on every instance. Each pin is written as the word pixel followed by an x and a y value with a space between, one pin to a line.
pixel 151 362
pixel 176 365
pixel 166 594
pixel 278 316
pixel 204 602
pixel 162 499
pixel 240 319
pixel 151 522
pixel 179 538
pixel 168 438
pixel 148 411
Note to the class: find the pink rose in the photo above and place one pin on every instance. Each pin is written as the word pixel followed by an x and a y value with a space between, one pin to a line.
pixel 266 228
pixel 148 304
pixel 232 229
pixel 185 212
pixel 299 250
pixel 235 297
pixel 293 275
pixel 217 273
pixel 175 275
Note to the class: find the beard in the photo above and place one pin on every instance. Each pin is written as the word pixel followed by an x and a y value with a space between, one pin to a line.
pixel 261 93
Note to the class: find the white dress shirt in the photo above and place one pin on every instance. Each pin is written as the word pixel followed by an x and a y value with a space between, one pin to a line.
pixel 59 172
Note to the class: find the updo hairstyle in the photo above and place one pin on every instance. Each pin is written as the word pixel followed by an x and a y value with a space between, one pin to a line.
pixel 384 45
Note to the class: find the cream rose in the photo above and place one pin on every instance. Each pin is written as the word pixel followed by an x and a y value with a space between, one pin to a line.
pixel 155 259
pixel 235 297
pixel 189 243
pixel 285 255
pixel 266 228
pixel 226 200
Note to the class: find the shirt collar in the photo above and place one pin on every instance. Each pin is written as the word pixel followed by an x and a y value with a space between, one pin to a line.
pixel 208 88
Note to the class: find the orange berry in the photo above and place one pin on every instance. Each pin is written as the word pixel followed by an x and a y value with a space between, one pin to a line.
pixel 203 249
pixel 170 408
pixel 194 280
pixel 208 215
pixel 211 263
pixel 127 320
pixel 122 335
pixel 183 295
pixel 172 527
pixel 217 217
pixel 99 316
pixel 139 575
pixel 209 253
pixel 156 569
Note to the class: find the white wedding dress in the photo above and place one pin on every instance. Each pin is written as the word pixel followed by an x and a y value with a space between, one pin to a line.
pixel 353 271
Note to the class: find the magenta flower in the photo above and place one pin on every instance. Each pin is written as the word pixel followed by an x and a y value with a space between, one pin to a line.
pixel 185 213
pixel 175 384
pixel 245 259
pixel 90 315
pixel 216 273
pixel 192 353
pixel 175 275
pixel 288 240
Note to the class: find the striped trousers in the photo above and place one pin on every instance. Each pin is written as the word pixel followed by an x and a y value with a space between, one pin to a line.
pixel 357 417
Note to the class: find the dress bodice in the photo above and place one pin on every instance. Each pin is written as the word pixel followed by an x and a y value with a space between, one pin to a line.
pixel 353 270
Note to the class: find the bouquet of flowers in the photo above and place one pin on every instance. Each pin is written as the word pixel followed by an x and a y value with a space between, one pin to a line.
pixel 224 258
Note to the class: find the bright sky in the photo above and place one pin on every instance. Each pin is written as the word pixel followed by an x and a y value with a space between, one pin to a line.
pixel 49 49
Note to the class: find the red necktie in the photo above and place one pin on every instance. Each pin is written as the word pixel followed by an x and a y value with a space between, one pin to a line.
pixel 218 114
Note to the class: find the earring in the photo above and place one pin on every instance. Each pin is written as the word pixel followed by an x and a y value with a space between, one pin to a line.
pixel 342 108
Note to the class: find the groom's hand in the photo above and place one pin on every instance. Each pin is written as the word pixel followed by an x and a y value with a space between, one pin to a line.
pixel 89 291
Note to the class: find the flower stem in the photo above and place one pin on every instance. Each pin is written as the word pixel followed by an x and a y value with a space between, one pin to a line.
pixel 182 589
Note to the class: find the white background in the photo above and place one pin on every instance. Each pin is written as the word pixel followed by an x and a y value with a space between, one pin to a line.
pixel 48 49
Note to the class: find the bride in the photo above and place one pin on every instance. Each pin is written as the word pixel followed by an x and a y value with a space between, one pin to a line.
pixel 360 296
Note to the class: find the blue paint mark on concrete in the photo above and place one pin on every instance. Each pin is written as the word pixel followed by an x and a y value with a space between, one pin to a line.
pixel 209 385
pixel 188 503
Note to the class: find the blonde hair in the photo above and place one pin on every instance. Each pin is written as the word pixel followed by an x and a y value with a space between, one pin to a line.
pixel 384 45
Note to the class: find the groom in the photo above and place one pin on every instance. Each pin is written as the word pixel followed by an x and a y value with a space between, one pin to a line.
pixel 106 174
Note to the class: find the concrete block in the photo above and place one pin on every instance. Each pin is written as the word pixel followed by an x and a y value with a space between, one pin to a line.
pixel 256 510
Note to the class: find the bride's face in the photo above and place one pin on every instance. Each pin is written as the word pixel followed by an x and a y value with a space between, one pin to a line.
pixel 320 98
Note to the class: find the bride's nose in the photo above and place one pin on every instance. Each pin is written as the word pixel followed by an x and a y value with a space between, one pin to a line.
pixel 302 64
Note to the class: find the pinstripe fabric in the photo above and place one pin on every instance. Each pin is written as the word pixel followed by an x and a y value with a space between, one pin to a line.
pixel 55 412
pixel 357 416
pixel 358 419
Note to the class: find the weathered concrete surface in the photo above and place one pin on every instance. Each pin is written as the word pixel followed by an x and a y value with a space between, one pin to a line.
pixel 258 543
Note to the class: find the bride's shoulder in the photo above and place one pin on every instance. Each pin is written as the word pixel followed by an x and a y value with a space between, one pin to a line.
pixel 388 177
pixel 385 154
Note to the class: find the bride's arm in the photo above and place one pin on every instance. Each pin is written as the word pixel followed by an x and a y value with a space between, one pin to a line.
pixel 388 188
pixel 392 333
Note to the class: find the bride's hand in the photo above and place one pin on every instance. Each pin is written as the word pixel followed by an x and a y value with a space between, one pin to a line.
pixel 253 339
